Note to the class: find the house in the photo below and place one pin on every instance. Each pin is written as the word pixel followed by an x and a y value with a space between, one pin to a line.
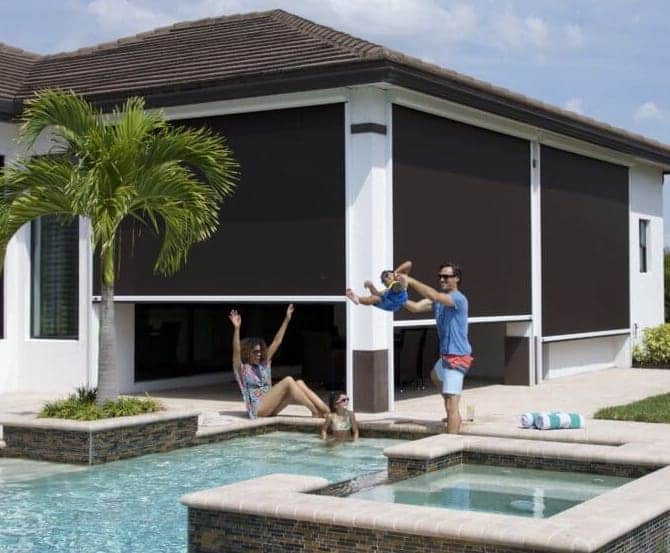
pixel 353 158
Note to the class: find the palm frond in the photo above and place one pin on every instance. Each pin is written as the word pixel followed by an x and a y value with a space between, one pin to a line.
pixel 206 154
pixel 40 187
pixel 70 119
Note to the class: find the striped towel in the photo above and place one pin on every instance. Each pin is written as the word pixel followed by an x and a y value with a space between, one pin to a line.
pixel 528 420
pixel 552 421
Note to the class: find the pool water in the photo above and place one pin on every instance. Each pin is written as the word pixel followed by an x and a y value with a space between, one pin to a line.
pixel 510 491
pixel 133 505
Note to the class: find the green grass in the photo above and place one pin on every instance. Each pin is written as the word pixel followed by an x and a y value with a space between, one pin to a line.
pixel 650 409
pixel 83 408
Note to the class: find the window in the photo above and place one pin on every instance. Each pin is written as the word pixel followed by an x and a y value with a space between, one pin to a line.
pixel 644 242
pixel 55 278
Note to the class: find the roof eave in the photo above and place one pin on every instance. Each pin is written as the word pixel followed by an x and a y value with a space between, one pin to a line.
pixel 460 92
pixel 284 82
pixel 376 71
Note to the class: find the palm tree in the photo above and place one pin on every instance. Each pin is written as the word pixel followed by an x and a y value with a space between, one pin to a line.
pixel 128 165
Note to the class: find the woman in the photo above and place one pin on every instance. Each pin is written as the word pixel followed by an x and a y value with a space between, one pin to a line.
pixel 252 362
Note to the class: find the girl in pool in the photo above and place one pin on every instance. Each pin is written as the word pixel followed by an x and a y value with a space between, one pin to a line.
pixel 340 421
pixel 393 297
pixel 252 362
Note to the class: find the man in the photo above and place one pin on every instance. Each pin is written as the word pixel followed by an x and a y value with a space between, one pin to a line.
pixel 451 315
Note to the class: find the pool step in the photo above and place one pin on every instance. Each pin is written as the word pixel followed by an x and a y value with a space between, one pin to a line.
pixel 214 418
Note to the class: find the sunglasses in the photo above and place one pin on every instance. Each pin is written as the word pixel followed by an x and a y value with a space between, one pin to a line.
pixel 444 277
pixel 343 399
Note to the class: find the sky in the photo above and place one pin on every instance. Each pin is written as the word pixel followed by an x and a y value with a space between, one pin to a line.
pixel 607 59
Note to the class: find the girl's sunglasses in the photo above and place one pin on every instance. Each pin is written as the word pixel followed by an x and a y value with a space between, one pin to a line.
pixel 342 399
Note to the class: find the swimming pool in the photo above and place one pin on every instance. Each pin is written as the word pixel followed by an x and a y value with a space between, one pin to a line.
pixel 505 490
pixel 133 505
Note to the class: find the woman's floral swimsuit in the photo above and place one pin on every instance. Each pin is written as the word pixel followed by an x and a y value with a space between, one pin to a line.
pixel 254 382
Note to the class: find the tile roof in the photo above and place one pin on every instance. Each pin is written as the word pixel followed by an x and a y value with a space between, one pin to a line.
pixel 272 52
pixel 15 66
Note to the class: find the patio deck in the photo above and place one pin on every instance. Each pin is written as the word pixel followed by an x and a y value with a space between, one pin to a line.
pixel 497 407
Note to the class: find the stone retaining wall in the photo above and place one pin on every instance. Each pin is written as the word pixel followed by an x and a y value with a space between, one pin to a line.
pixel 89 445
pixel 400 468
pixel 211 531
pixel 98 442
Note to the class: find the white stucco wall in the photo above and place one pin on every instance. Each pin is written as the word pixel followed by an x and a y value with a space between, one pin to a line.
pixel 646 202
pixel 577 356
pixel 7 341
pixel 37 364
pixel 53 365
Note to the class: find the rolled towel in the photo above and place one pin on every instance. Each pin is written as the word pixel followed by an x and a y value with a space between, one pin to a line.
pixel 528 420
pixel 552 421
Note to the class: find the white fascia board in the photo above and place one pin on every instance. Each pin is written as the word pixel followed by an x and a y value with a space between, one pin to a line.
pixel 226 299
pixel 471 320
pixel 256 104
pixel 584 335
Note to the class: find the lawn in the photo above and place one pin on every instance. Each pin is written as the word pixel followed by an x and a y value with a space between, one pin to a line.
pixel 650 409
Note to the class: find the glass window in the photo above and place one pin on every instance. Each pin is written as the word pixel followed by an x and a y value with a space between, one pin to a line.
pixel 644 242
pixel 55 278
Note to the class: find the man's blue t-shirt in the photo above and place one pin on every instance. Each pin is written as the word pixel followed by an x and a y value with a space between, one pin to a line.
pixel 452 325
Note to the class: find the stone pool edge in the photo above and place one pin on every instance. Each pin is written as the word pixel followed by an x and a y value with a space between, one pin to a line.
pixel 103 441
pixel 237 516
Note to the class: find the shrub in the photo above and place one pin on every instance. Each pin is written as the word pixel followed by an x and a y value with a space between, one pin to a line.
pixel 86 395
pixel 655 346
pixel 81 406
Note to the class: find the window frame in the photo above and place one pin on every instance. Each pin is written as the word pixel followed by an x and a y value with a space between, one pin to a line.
pixel 643 244
pixel 34 267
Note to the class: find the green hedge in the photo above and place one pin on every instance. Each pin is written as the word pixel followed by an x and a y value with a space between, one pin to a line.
pixel 81 406
pixel 655 346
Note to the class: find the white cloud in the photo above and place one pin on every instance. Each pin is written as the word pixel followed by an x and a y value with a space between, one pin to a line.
pixel 576 105
pixel 573 35
pixel 412 26
pixel 126 16
pixel 509 31
pixel 648 111
pixel 537 30
pixel 512 32
pixel 398 18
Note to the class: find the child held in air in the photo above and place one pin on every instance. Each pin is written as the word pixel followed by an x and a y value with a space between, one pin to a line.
pixel 394 295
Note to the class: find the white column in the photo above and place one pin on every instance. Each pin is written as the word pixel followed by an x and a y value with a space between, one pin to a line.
pixel 12 280
pixel 369 237
pixel 536 264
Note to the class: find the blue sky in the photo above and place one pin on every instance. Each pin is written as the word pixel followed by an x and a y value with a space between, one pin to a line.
pixel 607 59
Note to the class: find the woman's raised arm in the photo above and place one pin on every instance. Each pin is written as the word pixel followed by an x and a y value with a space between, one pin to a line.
pixel 236 319
pixel 274 346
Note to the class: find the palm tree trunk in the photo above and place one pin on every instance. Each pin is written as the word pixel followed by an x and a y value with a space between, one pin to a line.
pixel 108 385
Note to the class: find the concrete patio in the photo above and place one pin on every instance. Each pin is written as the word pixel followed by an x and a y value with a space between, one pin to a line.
pixel 497 407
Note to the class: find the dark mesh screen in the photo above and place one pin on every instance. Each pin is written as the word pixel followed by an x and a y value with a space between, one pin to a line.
pixel 585 269
pixel 462 194
pixel 283 230
pixel 2 281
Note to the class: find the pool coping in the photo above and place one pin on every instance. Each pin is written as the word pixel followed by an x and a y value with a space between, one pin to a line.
pixel 101 424
pixel 231 426
pixel 584 528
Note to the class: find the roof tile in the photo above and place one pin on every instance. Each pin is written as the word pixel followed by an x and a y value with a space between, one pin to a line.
pixel 221 49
